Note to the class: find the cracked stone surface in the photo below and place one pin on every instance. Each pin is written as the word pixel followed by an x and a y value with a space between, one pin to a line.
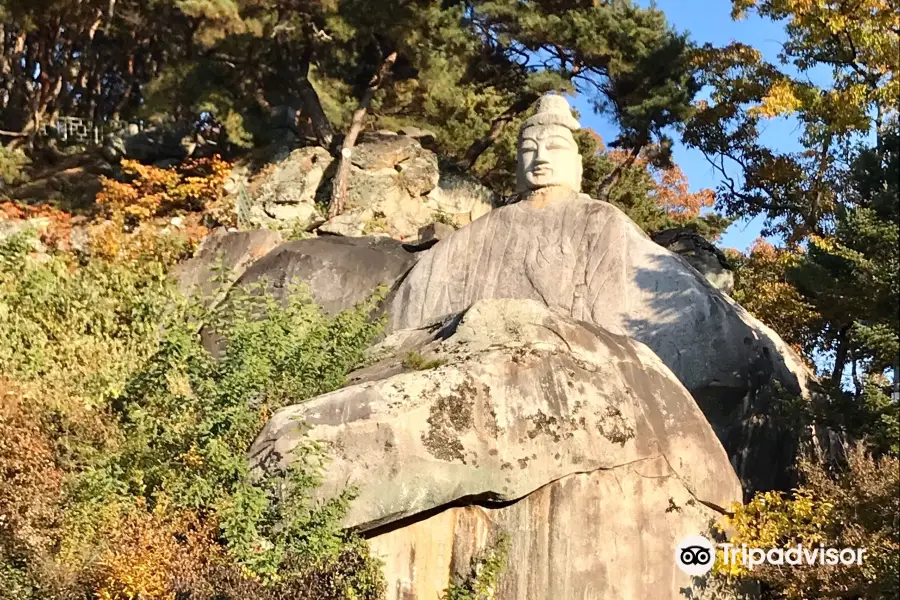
pixel 395 186
pixel 517 397
pixel 598 535
pixel 586 259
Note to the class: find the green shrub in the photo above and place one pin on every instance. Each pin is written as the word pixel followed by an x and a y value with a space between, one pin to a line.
pixel 76 330
pixel 486 568
pixel 12 167
pixel 148 434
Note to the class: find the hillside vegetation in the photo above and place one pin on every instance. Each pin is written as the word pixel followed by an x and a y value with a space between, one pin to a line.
pixel 123 473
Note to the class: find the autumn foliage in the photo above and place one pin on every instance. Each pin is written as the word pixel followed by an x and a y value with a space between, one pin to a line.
pixel 762 286
pixel 150 191
pixel 857 507
pixel 671 190
pixel 646 186
pixel 674 195
pixel 53 224
pixel 31 488
pixel 191 192
pixel 123 472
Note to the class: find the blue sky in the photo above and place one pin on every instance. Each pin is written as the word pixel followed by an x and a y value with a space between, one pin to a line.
pixel 710 21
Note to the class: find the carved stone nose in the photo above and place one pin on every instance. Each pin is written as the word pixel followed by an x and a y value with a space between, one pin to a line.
pixel 541 157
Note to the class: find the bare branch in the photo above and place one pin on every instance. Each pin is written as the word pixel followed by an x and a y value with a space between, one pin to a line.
pixel 339 185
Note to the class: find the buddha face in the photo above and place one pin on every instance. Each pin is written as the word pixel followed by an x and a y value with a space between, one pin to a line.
pixel 548 156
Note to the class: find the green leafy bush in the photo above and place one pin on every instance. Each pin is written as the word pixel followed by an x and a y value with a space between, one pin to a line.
pixel 486 568
pixel 12 167
pixel 133 439
pixel 77 330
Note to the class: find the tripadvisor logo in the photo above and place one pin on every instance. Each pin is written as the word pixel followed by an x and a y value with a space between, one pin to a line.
pixel 695 555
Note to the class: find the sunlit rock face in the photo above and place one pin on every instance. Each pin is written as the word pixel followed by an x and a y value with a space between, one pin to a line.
pixel 553 376
pixel 586 259
pixel 576 444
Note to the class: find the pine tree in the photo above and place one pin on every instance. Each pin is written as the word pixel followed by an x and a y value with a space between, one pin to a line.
pixel 850 277
pixel 833 198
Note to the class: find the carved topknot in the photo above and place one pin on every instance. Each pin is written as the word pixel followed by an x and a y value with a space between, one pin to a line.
pixel 553 109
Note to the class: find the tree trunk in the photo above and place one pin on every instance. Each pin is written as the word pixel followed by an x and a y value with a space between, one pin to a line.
pixel 129 88
pixel 312 108
pixel 840 357
pixel 312 105
pixel 339 185
pixel 606 185
pixel 497 126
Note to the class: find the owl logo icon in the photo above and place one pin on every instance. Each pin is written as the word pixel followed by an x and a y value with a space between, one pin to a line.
pixel 695 555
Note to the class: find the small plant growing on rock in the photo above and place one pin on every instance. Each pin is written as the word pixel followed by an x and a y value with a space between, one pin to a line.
pixel 442 217
pixel 414 360
pixel 378 224
pixel 486 568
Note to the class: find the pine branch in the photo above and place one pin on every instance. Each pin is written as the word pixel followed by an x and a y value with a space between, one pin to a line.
pixel 497 126
pixel 610 180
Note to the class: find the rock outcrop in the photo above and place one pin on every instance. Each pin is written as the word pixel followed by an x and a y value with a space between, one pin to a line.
pixel 395 187
pixel 339 271
pixel 156 143
pixel 283 194
pixel 700 254
pixel 565 436
pixel 550 374
pixel 222 254
pixel 586 259
pixel 604 534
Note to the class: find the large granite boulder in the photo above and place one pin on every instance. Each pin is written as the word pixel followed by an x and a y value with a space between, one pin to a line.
pixel 586 259
pixel 339 271
pixel 513 417
pixel 222 257
pixel 285 193
pixel 604 534
pixel 462 198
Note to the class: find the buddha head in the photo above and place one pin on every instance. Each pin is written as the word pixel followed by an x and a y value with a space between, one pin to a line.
pixel 548 153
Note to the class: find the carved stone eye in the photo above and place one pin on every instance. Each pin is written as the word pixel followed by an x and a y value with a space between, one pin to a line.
pixel 558 143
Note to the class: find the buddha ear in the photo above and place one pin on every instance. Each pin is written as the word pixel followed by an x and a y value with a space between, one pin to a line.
pixel 579 172
pixel 521 185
